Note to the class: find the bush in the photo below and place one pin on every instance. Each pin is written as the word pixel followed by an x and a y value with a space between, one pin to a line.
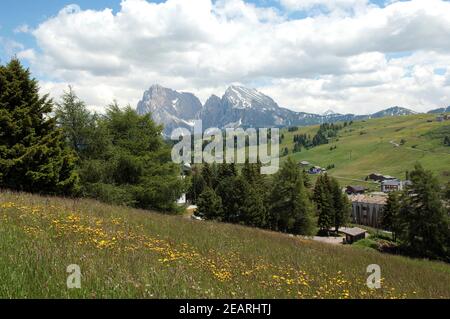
pixel 366 243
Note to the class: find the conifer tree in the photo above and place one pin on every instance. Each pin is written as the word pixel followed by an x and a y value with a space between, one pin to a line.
pixel 306 179
pixel 425 219
pixel 33 153
pixel 226 170
pixel 197 187
pixel 251 172
pixel 75 121
pixel 341 204
pixel 324 202
pixel 207 175
pixel 209 205
pixel 233 191
pixel 390 215
pixel 290 208
pixel 254 210
pixel 248 172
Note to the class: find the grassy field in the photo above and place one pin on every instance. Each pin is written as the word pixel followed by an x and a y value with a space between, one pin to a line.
pixel 126 253
pixel 365 147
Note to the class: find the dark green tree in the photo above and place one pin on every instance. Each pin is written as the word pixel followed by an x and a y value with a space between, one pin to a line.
pixel 324 202
pixel 390 215
pixel 306 179
pixel 207 174
pixel 75 121
pixel 226 170
pixel 290 207
pixel 209 205
pixel 33 154
pixel 341 204
pixel 251 172
pixel 254 210
pixel 197 186
pixel 426 220
pixel 233 191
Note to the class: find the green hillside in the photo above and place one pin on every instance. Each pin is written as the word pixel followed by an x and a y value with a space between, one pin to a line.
pixel 368 146
pixel 127 253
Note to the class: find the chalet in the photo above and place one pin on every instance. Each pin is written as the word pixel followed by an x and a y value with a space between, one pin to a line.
pixel 367 209
pixel 355 189
pixel 353 234
pixel 379 177
pixel 394 185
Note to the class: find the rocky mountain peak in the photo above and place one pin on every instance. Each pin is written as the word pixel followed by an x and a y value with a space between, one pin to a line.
pixel 242 97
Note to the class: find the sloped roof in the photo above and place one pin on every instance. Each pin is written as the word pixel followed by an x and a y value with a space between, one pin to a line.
pixel 357 188
pixel 354 231
pixel 369 199
pixel 391 182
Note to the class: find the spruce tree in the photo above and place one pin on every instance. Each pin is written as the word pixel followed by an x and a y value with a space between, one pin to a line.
pixel 33 153
pixel 233 191
pixel 390 215
pixel 324 202
pixel 306 179
pixel 254 210
pixel 251 172
pixel 341 204
pixel 290 207
pixel 248 172
pixel 207 175
pixel 426 220
pixel 209 205
pixel 226 170
pixel 197 186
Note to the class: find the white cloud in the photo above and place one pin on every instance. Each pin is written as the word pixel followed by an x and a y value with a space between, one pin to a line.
pixel 10 47
pixel 328 5
pixel 313 64
pixel 23 28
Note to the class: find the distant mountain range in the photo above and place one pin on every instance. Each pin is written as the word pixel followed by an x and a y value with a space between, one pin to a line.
pixel 439 111
pixel 238 107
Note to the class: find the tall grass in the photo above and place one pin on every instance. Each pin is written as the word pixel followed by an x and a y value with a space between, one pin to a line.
pixel 127 253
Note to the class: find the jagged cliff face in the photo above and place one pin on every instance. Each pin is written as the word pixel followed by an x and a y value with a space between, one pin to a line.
pixel 242 107
pixel 238 107
pixel 170 108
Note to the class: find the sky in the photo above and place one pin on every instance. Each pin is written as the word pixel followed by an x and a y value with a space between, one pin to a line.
pixel 350 56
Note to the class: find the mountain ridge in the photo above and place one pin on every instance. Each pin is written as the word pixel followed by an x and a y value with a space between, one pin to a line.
pixel 238 107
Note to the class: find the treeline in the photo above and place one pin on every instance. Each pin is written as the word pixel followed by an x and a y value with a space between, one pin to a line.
pixel 418 216
pixel 118 157
pixel 282 202
pixel 326 131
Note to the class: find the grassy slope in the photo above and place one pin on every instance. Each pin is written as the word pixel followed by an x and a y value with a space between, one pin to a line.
pixel 373 152
pixel 130 253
